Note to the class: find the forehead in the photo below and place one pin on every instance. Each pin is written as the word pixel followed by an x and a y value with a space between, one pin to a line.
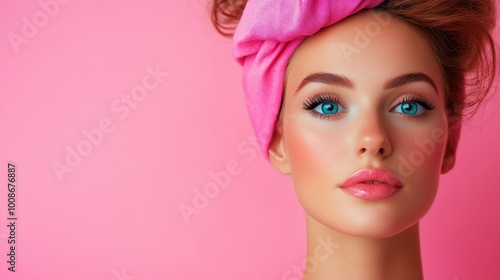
pixel 368 46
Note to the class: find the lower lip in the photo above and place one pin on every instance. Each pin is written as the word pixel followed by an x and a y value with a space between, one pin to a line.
pixel 371 191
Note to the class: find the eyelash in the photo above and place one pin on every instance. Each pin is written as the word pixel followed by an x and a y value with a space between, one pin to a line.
pixel 312 102
pixel 422 101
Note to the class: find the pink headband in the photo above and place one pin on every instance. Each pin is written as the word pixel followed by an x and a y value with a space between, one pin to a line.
pixel 265 39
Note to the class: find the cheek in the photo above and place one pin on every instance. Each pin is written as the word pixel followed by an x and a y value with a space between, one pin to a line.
pixel 313 152
pixel 318 157
pixel 321 157
pixel 421 152
pixel 419 158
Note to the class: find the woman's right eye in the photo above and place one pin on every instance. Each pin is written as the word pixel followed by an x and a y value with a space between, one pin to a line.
pixel 323 106
pixel 329 108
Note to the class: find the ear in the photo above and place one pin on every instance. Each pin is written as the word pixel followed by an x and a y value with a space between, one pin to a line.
pixel 454 129
pixel 277 150
pixel 448 162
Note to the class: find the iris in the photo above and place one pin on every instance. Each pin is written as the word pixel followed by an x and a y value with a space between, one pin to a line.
pixel 409 108
pixel 328 108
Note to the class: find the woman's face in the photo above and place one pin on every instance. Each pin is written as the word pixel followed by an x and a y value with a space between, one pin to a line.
pixel 365 94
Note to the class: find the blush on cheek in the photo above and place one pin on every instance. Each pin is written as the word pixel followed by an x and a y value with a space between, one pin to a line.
pixel 313 153
pixel 421 150
pixel 302 145
pixel 300 154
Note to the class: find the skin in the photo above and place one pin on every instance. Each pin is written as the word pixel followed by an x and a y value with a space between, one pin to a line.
pixel 373 239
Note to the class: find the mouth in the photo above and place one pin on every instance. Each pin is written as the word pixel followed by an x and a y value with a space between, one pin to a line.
pixel 372 184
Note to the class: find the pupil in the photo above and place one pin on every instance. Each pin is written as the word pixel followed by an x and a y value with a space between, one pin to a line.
pixel 329 108
pixel 409 108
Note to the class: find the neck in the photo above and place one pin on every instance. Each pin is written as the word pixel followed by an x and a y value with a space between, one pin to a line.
pixel 335 255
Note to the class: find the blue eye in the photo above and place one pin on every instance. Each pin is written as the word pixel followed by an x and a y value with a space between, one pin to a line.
pixel 409 108
pixel 323 106
pixel 414 106
pixel 328 108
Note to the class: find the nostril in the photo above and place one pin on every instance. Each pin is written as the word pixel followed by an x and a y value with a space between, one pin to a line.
pixel 381 151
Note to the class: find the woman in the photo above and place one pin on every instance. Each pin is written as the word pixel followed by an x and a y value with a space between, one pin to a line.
pixel 361 102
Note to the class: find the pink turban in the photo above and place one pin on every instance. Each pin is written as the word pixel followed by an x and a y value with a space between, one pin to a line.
pixel 265 39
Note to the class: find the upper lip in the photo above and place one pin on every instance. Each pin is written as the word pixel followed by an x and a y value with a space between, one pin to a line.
pixel 379 175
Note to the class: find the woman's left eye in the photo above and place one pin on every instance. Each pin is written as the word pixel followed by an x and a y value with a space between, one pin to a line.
pixel 409 108
pixel 414 107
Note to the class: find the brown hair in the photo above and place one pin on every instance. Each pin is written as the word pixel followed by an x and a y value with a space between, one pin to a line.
pixel 458 32
pixel 226 14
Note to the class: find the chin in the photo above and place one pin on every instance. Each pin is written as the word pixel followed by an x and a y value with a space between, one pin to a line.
pixel 383 223
pixel 379 231
pixel 375 230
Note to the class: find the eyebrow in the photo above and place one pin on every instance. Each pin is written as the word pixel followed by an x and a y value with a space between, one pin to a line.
pixel 339 80
pixel 326 78
pixel 410 78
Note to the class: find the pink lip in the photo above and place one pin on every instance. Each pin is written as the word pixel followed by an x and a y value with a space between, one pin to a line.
pixel 362 184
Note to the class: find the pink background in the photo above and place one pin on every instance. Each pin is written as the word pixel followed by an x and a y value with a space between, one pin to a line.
pixel 116 214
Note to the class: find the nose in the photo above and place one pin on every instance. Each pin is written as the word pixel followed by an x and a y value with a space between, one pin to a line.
pixel 373 138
